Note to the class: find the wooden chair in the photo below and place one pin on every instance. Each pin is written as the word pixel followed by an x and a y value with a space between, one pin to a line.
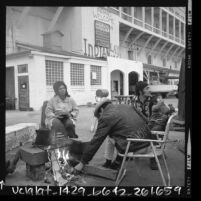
pixel 157 149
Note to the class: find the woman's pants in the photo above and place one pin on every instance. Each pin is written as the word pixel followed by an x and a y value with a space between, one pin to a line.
pixel 64 126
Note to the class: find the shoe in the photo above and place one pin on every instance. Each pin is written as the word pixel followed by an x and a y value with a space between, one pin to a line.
pixel 107 164
pixel 153 164
pixel 115 165
pixel 75 136
pixel 9 168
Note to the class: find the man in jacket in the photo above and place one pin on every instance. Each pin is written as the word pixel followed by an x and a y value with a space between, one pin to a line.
pixel 119 122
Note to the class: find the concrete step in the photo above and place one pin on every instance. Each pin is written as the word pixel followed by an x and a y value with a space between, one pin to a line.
pixel 20 134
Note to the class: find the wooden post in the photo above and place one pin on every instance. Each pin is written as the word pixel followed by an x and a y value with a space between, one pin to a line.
pixel 100 171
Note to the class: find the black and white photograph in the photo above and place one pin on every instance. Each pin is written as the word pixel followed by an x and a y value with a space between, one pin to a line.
pixel 95 100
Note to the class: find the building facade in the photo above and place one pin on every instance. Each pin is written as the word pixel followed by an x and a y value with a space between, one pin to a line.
pixel 89 48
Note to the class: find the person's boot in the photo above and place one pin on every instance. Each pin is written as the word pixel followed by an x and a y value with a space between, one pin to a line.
pixel 115 165
pixel 10 167
pixel 75 135
pixel 153 164
pixel 107 163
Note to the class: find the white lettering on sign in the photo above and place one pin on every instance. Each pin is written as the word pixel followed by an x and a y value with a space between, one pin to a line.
pixel 102 27
pixel 103 15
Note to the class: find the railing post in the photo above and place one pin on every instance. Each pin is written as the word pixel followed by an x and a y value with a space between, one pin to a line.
pixel 174 32
pixel 152 18
pixel 143 16
pixel 132 14
pixel 167 24
pixel 160 18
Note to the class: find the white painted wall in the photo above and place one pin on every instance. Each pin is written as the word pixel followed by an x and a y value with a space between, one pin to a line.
pixel 37 80
pixel 19 61
pixel 89 15
pixel 86 93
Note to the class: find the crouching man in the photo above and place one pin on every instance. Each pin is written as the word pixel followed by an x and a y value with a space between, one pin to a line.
pixel 118 122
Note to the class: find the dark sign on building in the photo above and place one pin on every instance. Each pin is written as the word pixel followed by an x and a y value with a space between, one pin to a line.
pixel 102 34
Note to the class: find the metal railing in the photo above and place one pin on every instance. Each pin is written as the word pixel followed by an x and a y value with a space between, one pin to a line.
pixel 138 22
pixel 156 30
pixel 114 11
pixel 171 37
pixel 141 23
pixel 164 34
pixel 126 16
pixel 177 39
pixel 148 26
pixel 182 41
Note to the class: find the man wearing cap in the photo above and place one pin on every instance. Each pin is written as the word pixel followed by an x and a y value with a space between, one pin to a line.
pixel 117 122
pixel 143 100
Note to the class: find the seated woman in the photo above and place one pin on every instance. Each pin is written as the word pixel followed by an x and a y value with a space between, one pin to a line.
pixel 61 112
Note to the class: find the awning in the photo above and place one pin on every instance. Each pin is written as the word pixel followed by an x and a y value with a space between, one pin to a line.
pixel 150 67
pixel 153 68
pixel 172 77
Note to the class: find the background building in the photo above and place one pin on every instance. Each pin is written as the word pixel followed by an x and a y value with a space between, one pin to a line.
pixel 89 48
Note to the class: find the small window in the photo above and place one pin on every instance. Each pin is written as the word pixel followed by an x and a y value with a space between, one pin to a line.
pixel 54 71
pixel 130 55
pixel 149 59
pixel 23 68
pixel 77 74
pixel 95 75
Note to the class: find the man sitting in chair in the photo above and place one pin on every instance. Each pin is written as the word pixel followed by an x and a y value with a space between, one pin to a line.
pixel 119 122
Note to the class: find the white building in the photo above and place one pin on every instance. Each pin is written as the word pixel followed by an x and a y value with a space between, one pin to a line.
pixel 89 48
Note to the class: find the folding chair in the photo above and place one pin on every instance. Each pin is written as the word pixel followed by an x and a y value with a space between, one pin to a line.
pixel 157 149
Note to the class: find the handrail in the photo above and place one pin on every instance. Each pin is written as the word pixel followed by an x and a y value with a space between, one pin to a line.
pixel 147 26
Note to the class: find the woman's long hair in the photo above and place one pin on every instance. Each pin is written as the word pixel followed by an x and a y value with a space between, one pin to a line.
pixel 57 85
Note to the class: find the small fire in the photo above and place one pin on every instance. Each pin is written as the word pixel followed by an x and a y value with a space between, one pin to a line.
pixel 63 157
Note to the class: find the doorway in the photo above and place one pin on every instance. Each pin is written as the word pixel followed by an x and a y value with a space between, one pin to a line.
pixel 133 79
pixel 10 88
pixel 23 88
pixel 117 84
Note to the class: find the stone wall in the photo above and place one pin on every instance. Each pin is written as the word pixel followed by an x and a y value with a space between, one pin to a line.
pixel 20 134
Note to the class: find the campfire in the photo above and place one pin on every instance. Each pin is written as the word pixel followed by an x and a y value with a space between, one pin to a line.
pixel 63 158
pixel 63 161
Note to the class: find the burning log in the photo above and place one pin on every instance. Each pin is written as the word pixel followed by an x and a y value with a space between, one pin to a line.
pixel 61 165
pixel 59 180
pixel 64 154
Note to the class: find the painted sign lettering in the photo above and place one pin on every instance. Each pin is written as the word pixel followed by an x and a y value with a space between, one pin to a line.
pixel 98 51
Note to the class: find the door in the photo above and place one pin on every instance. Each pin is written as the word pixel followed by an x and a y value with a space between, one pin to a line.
pixel 10 88
pixel 23 87
pixel 115 88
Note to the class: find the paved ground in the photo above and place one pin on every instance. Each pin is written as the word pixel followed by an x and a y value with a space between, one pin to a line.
pixel 137 175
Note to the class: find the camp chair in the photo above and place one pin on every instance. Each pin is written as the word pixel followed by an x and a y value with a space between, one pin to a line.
pixel 157 149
